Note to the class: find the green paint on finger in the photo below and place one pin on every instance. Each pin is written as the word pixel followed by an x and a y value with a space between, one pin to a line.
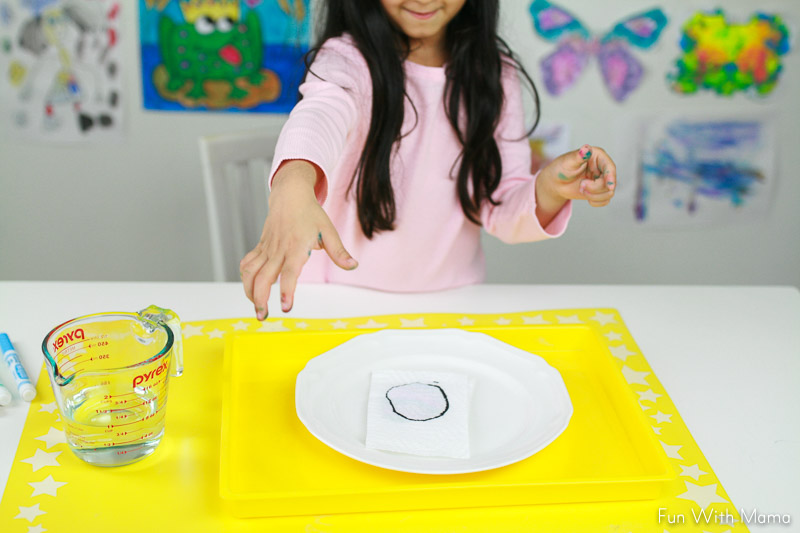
pixel 562 177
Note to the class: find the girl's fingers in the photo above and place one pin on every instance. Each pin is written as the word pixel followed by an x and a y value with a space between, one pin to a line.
pixel 330 241
pixel 603 169
pixel 262 284
pixel 289 274
pixel 599 199
pixel 249 267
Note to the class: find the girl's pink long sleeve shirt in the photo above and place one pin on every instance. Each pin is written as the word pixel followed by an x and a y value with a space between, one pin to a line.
pixel 433 246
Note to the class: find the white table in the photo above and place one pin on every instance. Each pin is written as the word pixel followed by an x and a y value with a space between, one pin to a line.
pixel 732 369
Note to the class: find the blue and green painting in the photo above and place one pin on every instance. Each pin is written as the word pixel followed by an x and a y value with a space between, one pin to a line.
pixel 223 55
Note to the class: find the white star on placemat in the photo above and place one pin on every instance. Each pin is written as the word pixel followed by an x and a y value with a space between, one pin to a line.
pixel 572 319
pixel 216 334
pixel 621 352
pixel 300 325
pixel 418 323
pixel 702 495
pixel 612 336
pixel 42 459
pixel 661 417
pixel 603 318
pixel 47 486
pixel 672 450
pixel 277 325
pixel 693 471
pixel 48 407
pixel 190 330
pixel 502 321
pixel 241 326
pixel 38 528
pixel 537 319
pixel 465 321
pixel 30 513
pixel 54 436
pixel 656 430
pixel 632 376
pixel 371 324
pixel 339 325
pixel 648 395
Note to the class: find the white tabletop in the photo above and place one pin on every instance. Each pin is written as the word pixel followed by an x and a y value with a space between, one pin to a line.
pixel 732 369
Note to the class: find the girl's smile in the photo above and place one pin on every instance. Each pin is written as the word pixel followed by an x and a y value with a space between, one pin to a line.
pixel 422 16
pixel 425 24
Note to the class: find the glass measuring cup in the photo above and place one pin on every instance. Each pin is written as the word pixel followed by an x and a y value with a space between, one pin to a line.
pixel 110 373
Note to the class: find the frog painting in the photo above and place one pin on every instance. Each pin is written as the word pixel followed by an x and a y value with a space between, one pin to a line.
pixel 213 54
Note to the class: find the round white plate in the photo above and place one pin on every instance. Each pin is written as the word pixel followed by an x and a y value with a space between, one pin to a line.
pixel 519 403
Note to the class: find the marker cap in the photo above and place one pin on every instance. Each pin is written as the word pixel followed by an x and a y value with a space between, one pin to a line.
pixel 5 343
pixel 27 391
pixel 5 396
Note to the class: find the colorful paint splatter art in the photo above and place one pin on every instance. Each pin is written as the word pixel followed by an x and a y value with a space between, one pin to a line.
pixel 696 171
pixel 550 140
pixel 223 55
pixel 61 69
pixel 622 71
pixel 729 58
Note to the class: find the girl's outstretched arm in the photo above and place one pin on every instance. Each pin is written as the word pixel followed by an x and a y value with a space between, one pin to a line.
pixel 295 225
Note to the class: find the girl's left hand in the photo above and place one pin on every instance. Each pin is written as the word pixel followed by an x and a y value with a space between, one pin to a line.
pixel 585 174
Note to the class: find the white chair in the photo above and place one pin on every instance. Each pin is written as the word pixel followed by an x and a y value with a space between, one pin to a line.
pixel 235 168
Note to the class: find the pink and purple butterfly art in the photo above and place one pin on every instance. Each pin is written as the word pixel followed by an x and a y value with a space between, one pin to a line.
pixel 622 71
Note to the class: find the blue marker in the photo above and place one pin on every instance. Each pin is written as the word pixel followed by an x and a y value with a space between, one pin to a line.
pixel 24 385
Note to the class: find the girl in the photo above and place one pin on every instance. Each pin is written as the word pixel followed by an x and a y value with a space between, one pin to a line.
pixel 408 138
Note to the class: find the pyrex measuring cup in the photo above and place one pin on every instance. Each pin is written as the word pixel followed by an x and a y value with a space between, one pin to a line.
pixel 110 373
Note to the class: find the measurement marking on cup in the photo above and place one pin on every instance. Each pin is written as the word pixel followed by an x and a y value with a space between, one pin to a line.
pixel 148 417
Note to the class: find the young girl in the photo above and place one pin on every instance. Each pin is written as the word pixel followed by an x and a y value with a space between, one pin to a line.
pixel 408 138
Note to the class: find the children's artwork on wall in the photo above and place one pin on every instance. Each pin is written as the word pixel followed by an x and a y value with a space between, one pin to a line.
pixel 695 172
pixel 727 58
pixel 548 141
pixel 622 72
pixel 60 69
pixel 223 55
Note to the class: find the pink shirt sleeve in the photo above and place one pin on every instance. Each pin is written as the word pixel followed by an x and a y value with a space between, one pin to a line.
pixel 514 220
pixel 318 125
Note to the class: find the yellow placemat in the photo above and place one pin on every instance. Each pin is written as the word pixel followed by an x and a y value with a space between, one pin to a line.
pixel 176 489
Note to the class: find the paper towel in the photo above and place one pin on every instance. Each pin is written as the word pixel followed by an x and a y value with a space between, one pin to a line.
pixel 419 413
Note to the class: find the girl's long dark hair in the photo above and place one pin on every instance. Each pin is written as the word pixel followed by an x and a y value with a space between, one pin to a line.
pixel 475 59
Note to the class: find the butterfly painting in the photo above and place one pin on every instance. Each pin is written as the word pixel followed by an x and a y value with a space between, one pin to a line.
pixel 622 72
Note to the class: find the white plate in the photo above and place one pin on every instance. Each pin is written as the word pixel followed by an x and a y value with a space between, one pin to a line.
pixel 519 403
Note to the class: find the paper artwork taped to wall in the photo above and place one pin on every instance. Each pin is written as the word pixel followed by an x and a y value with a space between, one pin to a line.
pixel 548 141
pixel 695 172
pixel 622 72
pixel 223 55
pixel 60 69
pixel 729 58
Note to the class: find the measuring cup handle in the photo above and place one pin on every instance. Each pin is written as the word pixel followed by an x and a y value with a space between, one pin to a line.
pixel 170 319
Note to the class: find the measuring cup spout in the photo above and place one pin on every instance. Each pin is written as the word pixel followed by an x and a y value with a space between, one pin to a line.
pixel 169 319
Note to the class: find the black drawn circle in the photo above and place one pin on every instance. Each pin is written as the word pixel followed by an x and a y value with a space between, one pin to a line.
pixel 441 390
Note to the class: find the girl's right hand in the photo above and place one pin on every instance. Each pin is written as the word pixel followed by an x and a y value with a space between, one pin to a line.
pixel 295 225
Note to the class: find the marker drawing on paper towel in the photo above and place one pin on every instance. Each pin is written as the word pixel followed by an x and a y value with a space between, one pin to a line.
pixel 418 402
pixel 622 71
pixel 60 67
pixel 702 171
pixel 727 58
pixel 231 55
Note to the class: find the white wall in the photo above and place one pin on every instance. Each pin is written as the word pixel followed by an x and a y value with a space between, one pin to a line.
pixel 136 210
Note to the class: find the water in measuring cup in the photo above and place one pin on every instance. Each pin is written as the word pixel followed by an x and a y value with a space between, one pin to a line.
pixel 108 427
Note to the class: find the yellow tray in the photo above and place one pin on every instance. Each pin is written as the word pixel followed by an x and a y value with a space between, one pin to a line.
pixel 272 466
pixel 177 488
